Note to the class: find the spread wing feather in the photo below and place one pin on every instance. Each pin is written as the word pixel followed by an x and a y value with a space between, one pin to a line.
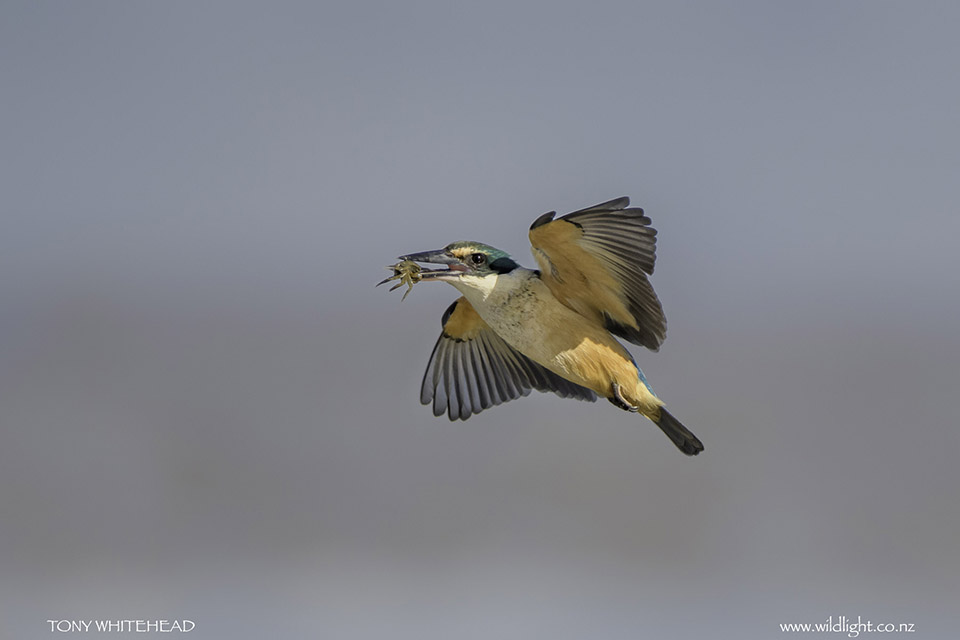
pixel 472 369
pixel 596 262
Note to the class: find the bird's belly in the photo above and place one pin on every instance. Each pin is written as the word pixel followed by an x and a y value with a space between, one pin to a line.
pixel 564 342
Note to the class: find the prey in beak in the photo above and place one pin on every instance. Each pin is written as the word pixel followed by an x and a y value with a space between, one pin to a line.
pixel 409 272
pixel 454 267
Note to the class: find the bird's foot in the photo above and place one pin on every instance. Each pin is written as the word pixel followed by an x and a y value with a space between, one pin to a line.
pixel 618 400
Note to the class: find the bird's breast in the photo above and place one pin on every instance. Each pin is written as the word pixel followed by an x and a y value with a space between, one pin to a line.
pixel 530 319
pixel 514 308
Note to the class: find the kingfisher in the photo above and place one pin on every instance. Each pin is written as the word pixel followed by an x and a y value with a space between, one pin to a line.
pixel 551 329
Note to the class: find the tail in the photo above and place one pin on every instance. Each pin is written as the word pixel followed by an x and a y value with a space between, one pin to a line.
pixel 681 436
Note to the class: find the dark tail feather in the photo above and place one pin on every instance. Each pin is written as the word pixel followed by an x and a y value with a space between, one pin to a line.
pixel 681 436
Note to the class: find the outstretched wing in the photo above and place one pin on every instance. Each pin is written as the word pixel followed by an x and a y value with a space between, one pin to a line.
pixel 472 369
pixel 596 262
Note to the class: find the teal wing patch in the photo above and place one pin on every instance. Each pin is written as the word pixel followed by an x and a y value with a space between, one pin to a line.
pixel 472 369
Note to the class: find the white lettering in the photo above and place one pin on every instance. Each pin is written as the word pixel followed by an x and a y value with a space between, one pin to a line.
pixel 118 626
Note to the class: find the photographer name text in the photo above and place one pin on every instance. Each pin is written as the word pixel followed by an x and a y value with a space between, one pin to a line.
pixel 121 626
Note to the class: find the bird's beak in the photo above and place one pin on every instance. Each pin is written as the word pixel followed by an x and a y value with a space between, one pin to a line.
pixel 453 270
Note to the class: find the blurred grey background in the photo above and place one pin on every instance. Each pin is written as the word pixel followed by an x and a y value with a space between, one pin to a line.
pixel 209 413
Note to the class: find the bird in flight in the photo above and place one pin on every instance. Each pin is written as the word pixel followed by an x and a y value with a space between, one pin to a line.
pixel 551 329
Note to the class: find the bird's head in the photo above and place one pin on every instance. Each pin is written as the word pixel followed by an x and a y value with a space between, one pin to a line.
pixel 463 260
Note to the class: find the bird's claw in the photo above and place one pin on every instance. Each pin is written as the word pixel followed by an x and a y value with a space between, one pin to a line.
pixel 618 400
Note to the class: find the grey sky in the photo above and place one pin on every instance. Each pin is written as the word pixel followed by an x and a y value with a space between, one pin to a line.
pixel 208 412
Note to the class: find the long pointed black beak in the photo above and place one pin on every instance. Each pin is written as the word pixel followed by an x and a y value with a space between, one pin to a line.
pixel 431 257
pixel 440 256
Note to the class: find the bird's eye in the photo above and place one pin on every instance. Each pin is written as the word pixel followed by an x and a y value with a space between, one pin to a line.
pixel 477 258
